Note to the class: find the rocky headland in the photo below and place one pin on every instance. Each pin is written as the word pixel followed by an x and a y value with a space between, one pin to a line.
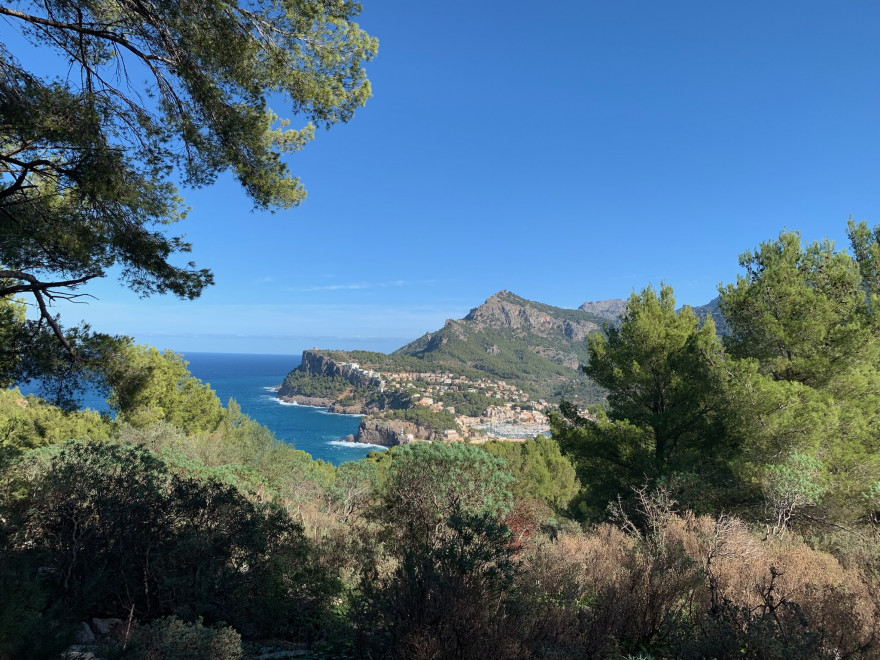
pixel 389 433
pixel 323 402
pixel 316 401
pixel 318 363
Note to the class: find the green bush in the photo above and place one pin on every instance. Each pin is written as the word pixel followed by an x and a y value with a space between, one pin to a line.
pixel 32 625
pixel 428 481
pixel 28 421
pixel 539 469
pixel 170 638
pixel 448 598
pixel 120 530
pixel 150 386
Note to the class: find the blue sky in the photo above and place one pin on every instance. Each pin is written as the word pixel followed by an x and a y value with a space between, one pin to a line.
pixel 565 151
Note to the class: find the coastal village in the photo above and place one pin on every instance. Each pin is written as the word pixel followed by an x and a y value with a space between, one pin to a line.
pixel 495 410
pixel 513 417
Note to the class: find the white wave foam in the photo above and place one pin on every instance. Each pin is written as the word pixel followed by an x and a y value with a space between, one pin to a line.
pixel 274 388
pixel 326 411
pixel 355 445
pixel 321 409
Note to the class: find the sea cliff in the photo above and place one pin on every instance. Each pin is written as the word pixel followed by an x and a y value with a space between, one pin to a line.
pixel 343 388
pixel 316 363
pixel 389 433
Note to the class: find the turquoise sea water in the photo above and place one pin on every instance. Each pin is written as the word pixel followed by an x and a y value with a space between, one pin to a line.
pixel 251 381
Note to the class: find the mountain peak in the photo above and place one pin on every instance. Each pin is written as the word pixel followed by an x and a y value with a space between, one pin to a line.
pixel 503 295
pixel 506 310
pixel 498 305
pixel 609 309
pixel 536 345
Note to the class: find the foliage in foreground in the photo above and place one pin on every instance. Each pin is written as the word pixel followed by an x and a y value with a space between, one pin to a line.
pixel 86 183
pixel 421 544
pixel 117 534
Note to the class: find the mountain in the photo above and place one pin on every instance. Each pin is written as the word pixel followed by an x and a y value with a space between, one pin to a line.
pixel 531 346
pixel 534 346
pixel 607 309
pixel 712 308
pixel 611 309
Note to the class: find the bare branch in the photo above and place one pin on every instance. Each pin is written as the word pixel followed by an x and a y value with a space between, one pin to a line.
pixel 16 185
pixel 81 29
pixel 35 286
pixel 56 329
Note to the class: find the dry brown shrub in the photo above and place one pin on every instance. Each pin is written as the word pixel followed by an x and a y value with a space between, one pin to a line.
pixel 615 587
pixel 553 590
pixel 835 600
pixel 603 588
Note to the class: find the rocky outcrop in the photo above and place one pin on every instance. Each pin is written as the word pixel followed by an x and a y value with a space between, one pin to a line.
pixel 321 402
pixel 560 357
pixel 712 308
pixel 367 395
pixel 316 362
pixel 342 409
pixel 577 331
pixel 105 626
pixel 317 401
pixel 499 311
pixel 609 309
pixel 85 635
pixel 330 404
pixel 389 433
pixel 504 310
pixel 613 308
pixel 88 639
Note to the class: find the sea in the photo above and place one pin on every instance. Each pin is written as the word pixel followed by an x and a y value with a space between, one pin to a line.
pixel 251 380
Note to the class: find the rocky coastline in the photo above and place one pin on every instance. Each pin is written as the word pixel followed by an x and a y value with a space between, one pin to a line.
pixel 318 364
pixel 322 402
pixel 371 431
pixel 386 433
pixel 390 433
pixel 314 401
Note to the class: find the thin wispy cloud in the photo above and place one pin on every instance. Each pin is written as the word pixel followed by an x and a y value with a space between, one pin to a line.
pixel 352 287
pixel 334 287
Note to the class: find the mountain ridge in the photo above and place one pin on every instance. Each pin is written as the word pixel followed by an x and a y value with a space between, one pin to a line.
pixel 612 308
pixel 538 346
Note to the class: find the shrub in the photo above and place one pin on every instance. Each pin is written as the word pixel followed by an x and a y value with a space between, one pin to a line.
pixel 170 638
pixel 446 599
pixel 687 586
pixel 121 531
pixel 31 624
pixel 428 481
pixel 539 469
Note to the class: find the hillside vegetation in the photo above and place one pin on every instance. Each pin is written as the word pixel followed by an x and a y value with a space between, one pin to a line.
pixel 534 346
